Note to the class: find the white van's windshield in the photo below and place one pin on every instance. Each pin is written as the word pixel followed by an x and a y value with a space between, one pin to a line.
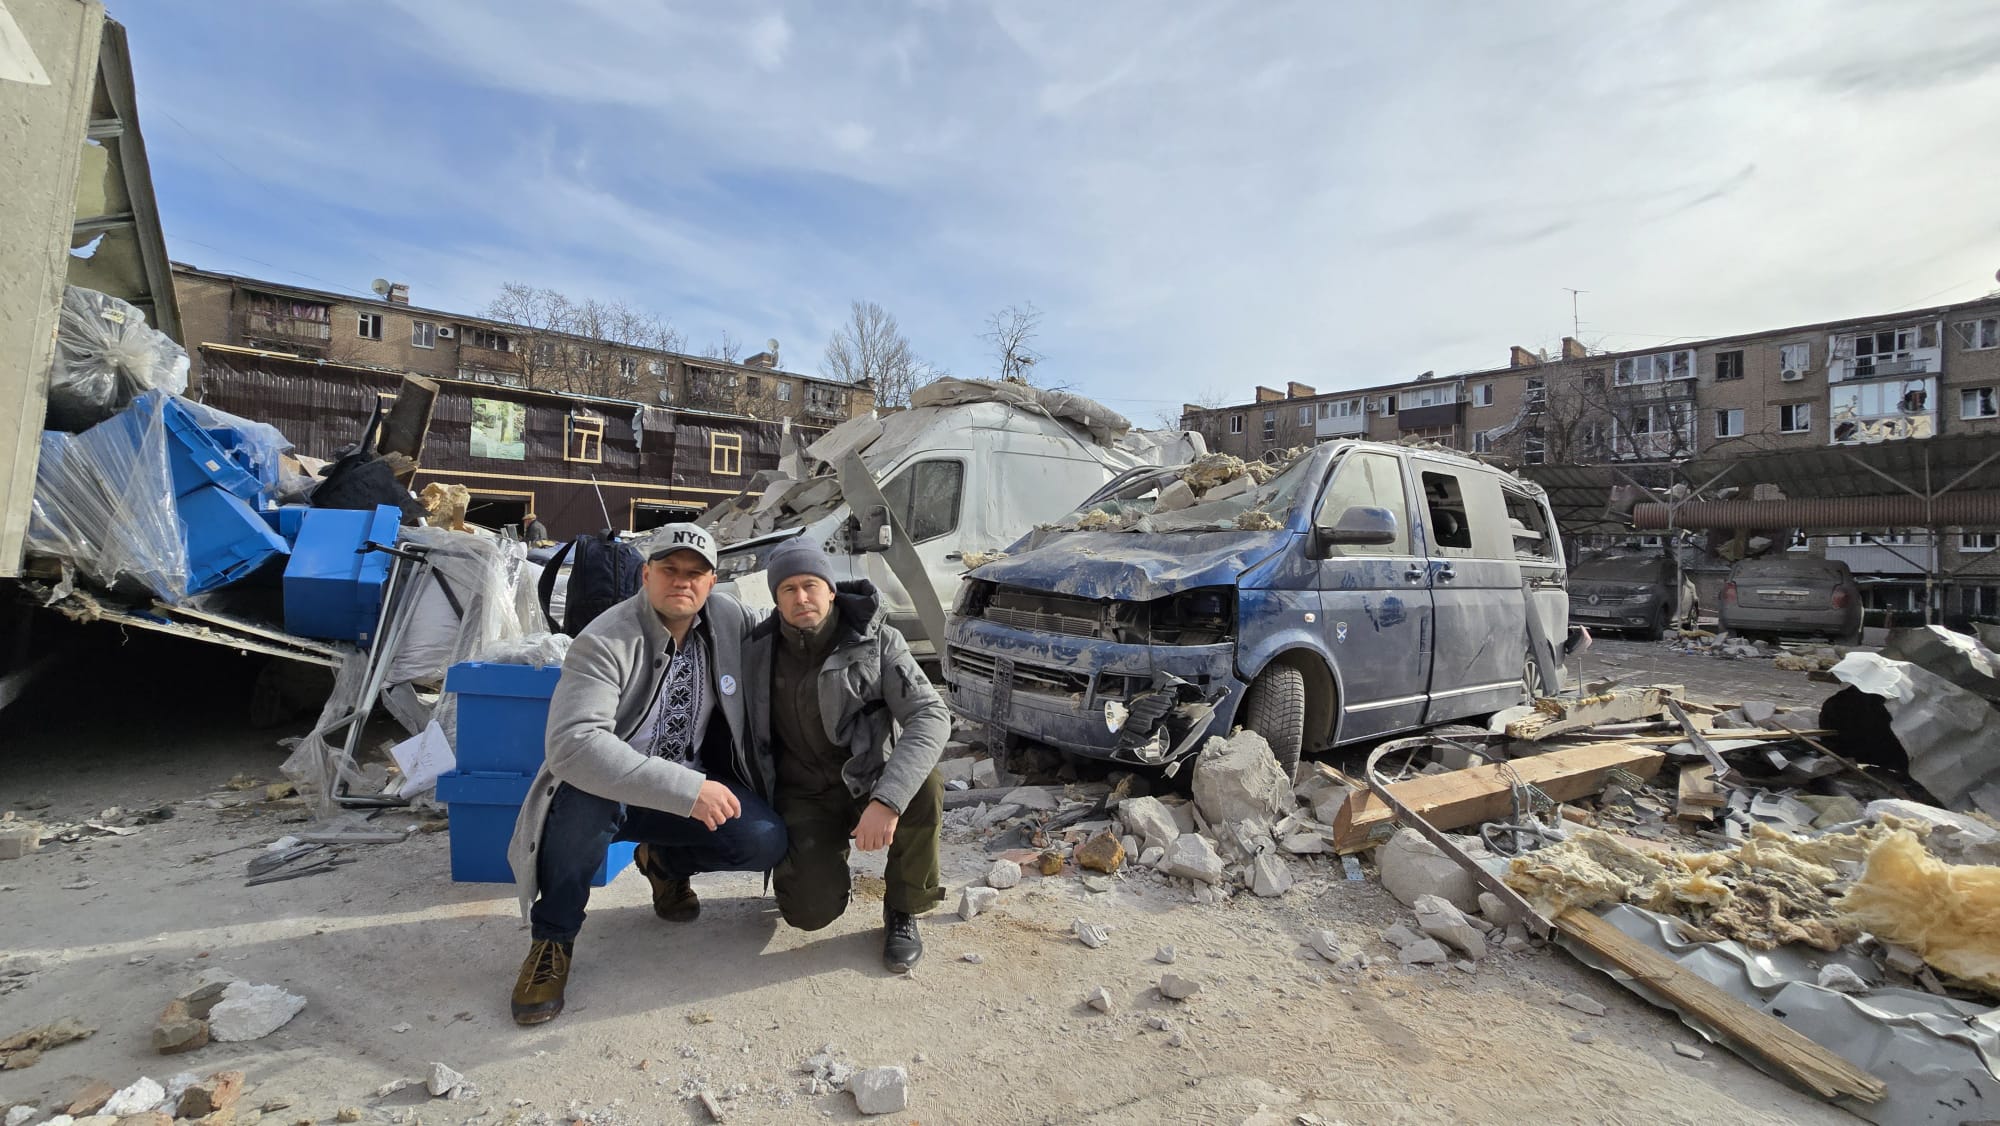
pixel 1136 504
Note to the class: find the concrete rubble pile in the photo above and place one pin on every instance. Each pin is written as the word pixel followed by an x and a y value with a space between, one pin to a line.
pixel 1792 656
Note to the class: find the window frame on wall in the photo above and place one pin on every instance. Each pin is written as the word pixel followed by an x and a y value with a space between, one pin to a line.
pixel 628 370
pixel 1654 367
pixel 1970 395
pixel 368 326
pixel 423 334
pixel 1236 424
pixel 1306 415
pixel 1729 365
pixel 1482 395
pixel 1978 541
pixel 725 454
pixel 583 438
pixel 1729 422
pixel 1789 417
pixel 1535 392
pixel 1795 357
pixel 1271 425
pixel 1977 334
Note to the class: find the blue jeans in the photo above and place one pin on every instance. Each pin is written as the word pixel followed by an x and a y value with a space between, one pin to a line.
pixel 581 827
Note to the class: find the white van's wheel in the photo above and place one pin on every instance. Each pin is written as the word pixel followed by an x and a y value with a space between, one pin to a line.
pixel 1275 707
pixel 1531 679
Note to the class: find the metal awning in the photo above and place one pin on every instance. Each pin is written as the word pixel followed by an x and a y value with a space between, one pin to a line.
pixel 1917 466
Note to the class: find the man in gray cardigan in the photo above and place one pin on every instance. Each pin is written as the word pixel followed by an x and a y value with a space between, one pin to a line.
pixel 648 741
pixel 855 730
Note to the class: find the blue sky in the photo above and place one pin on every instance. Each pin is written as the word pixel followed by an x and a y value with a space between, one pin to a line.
pixel 1200 197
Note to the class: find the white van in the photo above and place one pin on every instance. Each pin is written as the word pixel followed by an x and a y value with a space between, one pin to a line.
pixel 969 468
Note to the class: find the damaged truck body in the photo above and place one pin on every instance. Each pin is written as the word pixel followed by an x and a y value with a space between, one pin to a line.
pixel 1363 590
pixel 910 501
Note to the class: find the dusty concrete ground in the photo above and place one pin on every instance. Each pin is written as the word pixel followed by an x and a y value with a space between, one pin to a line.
pixel 735 1001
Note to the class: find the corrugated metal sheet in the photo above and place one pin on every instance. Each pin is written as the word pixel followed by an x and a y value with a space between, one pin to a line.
pixel 1953 509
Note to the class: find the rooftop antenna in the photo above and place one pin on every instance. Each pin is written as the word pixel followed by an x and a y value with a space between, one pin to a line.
pixel 1575 319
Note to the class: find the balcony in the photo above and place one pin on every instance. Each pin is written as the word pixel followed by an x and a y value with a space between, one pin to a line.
pixel 1437 417
pixel 1337 427
pixel 284 323
pixel 1886 559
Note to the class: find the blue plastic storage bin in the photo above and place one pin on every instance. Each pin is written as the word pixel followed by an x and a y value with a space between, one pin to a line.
pixel 332 590
pixel 286 520
pixel 194 457
pixel 503 711
pixel 226 538
pixel 483 807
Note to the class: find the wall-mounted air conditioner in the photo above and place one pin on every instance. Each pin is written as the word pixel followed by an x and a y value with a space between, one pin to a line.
pixel 1791 375
pixel 446 332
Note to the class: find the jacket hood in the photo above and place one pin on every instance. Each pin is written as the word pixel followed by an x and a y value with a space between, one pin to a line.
pixel 1134 567
pixel 861 612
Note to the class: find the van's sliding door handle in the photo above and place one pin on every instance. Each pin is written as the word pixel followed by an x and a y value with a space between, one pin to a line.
pixel 1415 574
pixel 1445 574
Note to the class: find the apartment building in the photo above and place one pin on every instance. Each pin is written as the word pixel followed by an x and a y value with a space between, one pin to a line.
pixel 390 333
pixel 1899 377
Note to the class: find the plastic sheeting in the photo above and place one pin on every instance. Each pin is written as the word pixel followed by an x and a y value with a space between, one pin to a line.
pixel 1937 1055
pixel 106 508
pixel 106 355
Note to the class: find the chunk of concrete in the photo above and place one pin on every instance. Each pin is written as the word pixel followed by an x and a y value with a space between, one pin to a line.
pixel 1003 874
pixel 1234 487
pixel 1327 945
pixel 251 1012
pixel 1039 799
pixel 19 838
pixel 1238 779
pixel 1411 866
pixel 1174 497
pixel 1093 935
pixel 1424 952
pixel 1757 711
pixel 142 1096
pixel 1165 955
pixel 1496 909
pixel 179 1030
pixel 1582 1004
pixel 1101 853
pixel 1152 857
pixel 1304 844
pixel 880 1090
pixel 1150 820
pixel 973 900
pixel 443 1080
pixel 956 770
pixel 1400 936
pixel 1437 918
pixel 1191 856
pixel 1174 987
pixel 1269 876
pixel 1099 999
pixel 984 774
pixel 217 1092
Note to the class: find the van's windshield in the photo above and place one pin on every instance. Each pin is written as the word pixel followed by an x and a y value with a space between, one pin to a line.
pixel 1134 504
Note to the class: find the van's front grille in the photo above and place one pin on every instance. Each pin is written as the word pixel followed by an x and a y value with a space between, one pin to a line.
pixel 1027 678
pixel 1043 621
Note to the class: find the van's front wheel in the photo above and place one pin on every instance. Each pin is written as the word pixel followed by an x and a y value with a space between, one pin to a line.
pixel 1275 707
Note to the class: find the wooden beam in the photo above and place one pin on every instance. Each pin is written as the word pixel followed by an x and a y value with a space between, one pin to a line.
pixel 1700 796
pixel 1748 1031
pixel 1486 793
pixel 1555 715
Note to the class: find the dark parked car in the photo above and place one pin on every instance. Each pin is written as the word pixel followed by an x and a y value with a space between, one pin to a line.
pixel 1793 596
pixel 1637 591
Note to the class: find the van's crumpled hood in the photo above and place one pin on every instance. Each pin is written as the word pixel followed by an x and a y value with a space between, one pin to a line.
pixel 1135 567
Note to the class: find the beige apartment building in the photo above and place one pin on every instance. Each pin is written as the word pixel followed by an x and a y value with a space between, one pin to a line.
pixel 1899 377
pixel 390 333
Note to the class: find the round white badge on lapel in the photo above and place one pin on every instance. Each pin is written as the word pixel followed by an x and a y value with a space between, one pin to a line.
pixel 728 685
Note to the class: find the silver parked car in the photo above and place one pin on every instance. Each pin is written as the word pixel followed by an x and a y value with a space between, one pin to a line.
pixel 1800 595
pixel 1638 591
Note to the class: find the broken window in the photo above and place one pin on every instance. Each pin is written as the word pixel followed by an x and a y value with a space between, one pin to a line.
pixel 1656 368
pixel 1729 365
pixel 656 368
pixel 368 326
pixel 725 454
pixel 1979 334
pixel 423 334
pixel 1536 393
pixel 1270 426
pixel 488 339
pixel 1800 541
pixel 1369 480
pixel 1978 541
pixel 1482 442
pixel 784 392
pixel 628 369
pixel 1534 447
pixel 1977 402
pixel 584 439
pixel 1451 525
pixel 1482 395
pixel 1528 527
pixel 1729 424
pixel 545 351
pixel 1795 358
pixel 1794 418
pixel 926 498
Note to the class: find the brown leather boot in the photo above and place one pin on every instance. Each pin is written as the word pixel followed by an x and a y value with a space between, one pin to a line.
pixel 538 992
pixel 673 896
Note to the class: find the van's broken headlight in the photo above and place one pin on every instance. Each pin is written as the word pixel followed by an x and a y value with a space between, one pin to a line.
pixel 1202 616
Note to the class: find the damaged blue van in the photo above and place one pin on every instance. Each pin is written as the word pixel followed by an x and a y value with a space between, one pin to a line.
pixel 1362 590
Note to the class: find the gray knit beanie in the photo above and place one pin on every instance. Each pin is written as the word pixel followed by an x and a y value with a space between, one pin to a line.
pixel 797 556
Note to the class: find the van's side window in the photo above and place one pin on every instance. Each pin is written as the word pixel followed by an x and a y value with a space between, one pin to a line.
pixel 1374 481
pixel 1451 524
pixel 926 498
pixel 1529 530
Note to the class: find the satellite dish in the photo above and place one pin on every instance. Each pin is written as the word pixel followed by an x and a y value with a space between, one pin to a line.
pixel 771 346
pixel 380 286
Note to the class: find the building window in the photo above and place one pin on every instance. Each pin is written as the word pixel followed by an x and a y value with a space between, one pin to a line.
pixel 545 352
pixel 628 369
pixel 1729 365
pixel 1977 335
pixel 1347 408
pixel 1236 424
pixel 1978 541
pixel 1536 393
pixel 1655 368
pixel 1270 425
pixel 1729 424
pixel 1977 402
pixel 423 334
pixel 1795 357
pixel 1428 397
pixel 488 339
pixel 656 368
pixel 1890 352
pixel 1795 418
pixel 1659 430
pixel 1482 395
pixel 368 326
pixel 725 454
pixel 1800 541
pixel 1982 602
pixel 1388 404
pixel 583 439
pixel 1482 442
pixel 752 385
pixel 1534 447
pixel 784 392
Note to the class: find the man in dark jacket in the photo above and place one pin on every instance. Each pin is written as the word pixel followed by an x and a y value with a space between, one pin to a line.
pixel 856 731
pixel 649 741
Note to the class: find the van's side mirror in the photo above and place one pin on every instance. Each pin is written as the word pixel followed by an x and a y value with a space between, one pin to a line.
pixel 1360 525
pixel 874 533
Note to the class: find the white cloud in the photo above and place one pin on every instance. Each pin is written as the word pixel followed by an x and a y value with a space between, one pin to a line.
pixel 769 36
pixel 851 136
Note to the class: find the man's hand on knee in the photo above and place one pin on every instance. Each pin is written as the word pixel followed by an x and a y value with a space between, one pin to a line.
pixel 877 827
pixel 715 805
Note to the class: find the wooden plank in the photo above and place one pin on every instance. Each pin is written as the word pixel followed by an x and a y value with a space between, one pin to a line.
pixel 1700 796
pixel 238 625
pixel 1555 715
pixel 1485 793
pixel 1748 1031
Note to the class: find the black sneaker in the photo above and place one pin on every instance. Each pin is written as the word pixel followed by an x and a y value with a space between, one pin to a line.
pixel 901 944
pixel 538 992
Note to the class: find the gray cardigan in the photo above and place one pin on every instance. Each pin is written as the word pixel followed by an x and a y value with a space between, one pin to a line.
pixel 608 682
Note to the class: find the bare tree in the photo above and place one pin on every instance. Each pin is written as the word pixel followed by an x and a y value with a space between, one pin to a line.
pixel 587 346
pixel 726 349
pixel 1181 418
pixel 872 346
pixel 1010 333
